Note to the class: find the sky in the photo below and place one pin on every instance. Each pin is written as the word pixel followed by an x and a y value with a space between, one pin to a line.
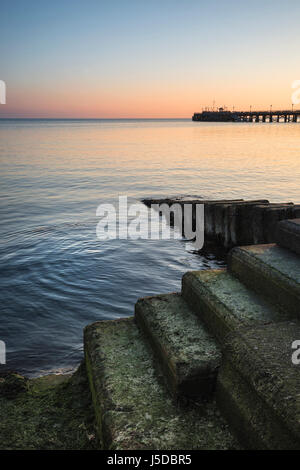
pixel 146 58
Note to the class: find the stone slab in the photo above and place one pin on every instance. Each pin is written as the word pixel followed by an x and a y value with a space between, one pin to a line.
pixel 288 234
pixel 133 408
pixel 187 353
pixel 271 271
pixel 261 385
pixel 223 303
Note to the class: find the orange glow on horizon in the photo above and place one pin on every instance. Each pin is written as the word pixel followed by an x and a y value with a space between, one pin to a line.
pixel 138 100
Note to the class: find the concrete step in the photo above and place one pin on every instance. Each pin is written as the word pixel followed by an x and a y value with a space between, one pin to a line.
pixel 271 271
pixel 223 303
pixel 258 386
pixel 133 407
pixel 288 234
pixel 187 353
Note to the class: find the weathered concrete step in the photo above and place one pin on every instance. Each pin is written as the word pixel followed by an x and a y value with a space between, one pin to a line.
pixel 224 303
pixel 258 386
pixel 188 354
pixel 271 271
pixel 133 408
pixel 288 234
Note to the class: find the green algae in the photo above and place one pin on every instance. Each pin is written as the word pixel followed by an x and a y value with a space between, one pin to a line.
pixel 133 406
pixel 47 413
pixel 277 259
pixel 262 355
pixel 12 384
pixel 272 272
pixel 225 304
pixel 178 327
pixel 188 355
pixel 258 386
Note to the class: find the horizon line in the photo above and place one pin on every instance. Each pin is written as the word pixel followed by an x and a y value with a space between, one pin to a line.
pixel 97 118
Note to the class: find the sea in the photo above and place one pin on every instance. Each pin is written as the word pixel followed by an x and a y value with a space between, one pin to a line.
pixel 56 275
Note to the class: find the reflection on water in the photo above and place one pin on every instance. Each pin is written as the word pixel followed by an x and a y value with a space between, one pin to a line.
pixel 55 275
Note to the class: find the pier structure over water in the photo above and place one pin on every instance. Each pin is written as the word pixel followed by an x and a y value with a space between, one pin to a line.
pixel 270 116
pixel 288 115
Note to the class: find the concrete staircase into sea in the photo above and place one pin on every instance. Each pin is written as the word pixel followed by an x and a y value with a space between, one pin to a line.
pixel 209 367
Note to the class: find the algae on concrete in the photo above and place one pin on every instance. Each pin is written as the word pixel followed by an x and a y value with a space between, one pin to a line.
pixel 224 303
pixel 187 353
pixel 258 386
pixel 47 413
pixel 133 407
pixel 271 271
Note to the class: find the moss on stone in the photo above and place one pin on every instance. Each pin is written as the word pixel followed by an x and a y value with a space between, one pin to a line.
pixel 187 353
pixel 252 419
pixel 263 356
pixel 271 271
pixel 52 412
pixel 12 385
pixel 224 303
pixel 133 406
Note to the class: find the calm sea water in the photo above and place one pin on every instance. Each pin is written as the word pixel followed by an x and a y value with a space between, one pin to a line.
pixel 56 276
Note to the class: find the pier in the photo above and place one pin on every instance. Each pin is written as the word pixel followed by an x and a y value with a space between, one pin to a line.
pixel 288 115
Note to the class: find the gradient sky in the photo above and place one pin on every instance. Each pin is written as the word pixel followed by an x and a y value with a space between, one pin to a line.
pixel 154 58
